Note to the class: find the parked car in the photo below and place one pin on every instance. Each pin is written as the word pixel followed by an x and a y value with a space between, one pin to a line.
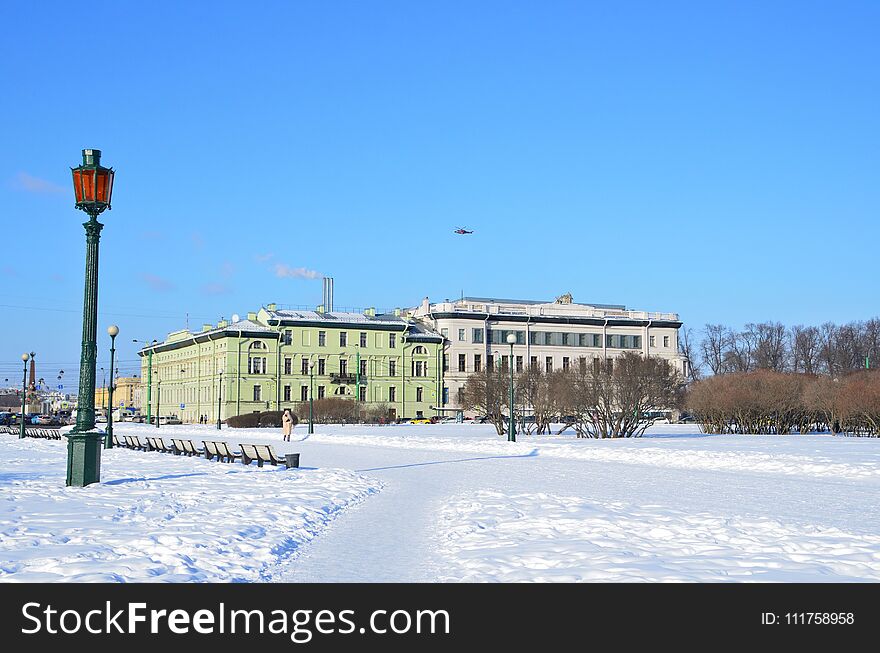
pixel 6 419
pixel 47 420
pixel 170 419
pixel 420 420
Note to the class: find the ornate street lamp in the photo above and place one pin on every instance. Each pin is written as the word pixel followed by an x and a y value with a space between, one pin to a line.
pixel 25 358
pixel 113 331
pixel 511 432
pixel 93 187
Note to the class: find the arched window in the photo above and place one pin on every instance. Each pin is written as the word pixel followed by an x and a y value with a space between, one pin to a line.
pixel 256 361
pixel 419 350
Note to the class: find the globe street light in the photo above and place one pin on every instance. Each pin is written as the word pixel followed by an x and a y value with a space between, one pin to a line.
pixel 25 358
pixel 511 433
pixel 113 331
pixel 93 187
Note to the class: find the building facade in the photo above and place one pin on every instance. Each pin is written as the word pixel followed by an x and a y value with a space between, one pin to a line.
pixel 126 394
pixel 549 335
pixel 268 360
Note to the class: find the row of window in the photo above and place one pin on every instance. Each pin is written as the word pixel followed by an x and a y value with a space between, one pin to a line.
pixel 535 362
pixel 257 365
pixel 321 392
pixel 287 338
pixel 556 338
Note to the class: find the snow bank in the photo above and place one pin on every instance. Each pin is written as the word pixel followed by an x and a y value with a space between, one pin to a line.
pixel 158 517
pixel 492 536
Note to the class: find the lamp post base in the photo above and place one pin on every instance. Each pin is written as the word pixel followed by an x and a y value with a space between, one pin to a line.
pixel 84 458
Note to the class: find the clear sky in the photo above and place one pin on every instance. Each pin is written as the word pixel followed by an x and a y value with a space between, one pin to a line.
pixel 719 160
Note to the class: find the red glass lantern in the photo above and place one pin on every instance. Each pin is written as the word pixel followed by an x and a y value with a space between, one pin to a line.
pixel 92 183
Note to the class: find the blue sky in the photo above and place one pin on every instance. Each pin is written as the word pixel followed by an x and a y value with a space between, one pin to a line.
pixel 719 160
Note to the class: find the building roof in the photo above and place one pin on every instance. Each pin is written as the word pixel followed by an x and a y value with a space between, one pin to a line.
pixel 337 318
pixel 497 300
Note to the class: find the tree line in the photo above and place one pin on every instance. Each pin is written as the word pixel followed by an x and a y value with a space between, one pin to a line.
pixel 615 398
pixel 830 349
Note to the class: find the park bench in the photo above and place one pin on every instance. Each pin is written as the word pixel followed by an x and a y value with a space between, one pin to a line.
pixel 265 453
pixel 220 449
pixel 186 447
pixel 118 442
pixel 135 442
pixel 158 444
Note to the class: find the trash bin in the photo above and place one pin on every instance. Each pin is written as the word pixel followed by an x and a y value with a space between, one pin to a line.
pixel 292 459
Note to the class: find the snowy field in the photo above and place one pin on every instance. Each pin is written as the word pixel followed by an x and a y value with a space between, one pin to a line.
pixel 450 502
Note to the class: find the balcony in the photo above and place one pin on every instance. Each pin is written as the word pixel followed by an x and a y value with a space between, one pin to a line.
pixel 347 378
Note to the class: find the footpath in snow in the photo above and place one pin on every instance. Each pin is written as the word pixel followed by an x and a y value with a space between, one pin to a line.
pixel 426 503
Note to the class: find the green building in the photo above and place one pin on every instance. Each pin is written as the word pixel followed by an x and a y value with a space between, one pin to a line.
pixel 263 363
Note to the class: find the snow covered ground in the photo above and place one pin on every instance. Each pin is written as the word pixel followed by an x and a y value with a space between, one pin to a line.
pixel 451 502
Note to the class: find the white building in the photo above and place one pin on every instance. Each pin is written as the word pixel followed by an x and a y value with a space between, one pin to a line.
pixel 549 335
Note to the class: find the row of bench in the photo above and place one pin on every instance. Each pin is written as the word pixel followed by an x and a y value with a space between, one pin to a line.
pixel 49 434
pixel 219 449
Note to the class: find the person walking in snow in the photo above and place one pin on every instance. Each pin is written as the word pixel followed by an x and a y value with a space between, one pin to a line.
pixel 287 424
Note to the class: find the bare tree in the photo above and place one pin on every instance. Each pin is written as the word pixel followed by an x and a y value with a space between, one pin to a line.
pixel 487 393
pixel 770 346
pixel 688 350
pixel 805 349
pixel 714 347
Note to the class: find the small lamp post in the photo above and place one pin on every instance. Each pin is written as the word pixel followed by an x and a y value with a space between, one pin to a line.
pixel 219 400
pixel 311 396
pixel 511 433
pixel 113 331
pixel 25 358
pixel 93 187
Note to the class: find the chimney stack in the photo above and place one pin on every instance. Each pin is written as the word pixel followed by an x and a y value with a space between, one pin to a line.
pixel 328 294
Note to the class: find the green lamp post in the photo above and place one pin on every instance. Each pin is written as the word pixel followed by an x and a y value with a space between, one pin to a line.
pixel 511 432
pixel 113 331
pixel 93 187
pixel 311 395
pixel 219 400
pixel 25 358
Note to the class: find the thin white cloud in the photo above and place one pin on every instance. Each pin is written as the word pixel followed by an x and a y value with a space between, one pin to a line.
pixel 216 289
pixel 157 283
pixel 282 270
pixel 30 184
pixel 262 258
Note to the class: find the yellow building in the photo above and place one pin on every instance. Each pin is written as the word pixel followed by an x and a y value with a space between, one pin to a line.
pixel 127 393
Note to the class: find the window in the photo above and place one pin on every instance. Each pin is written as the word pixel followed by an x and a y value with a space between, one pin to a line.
pixel 490 364
pixel 392 393
pixel 478 362
pixel 321 366
pixel 322 338
pixel 304 393
pixel 363 339
pixel 461 337
pixel 610 365
pixel 419 393
pixel 288 337
pixel 462 362
pixel 305 366
pixel 548 364
pixel 445 362
pixel 419 350
pixel 287 364
pixel 596 364
pixel 392 340
pixel 420 368
pixel 533 363
pixel 363 367
pixel 320 392
pixel 287 393
pixel 504 364
pixel 343 366
pixel 343 338
pixel 565 363
pixel 258 393
pixel 582 365
pixel 460 396
pixel 651 341
pixel 444 333
pixel 477 336
pixel 665 341
pixel 256 365
pixel 519 363
pixel 362 393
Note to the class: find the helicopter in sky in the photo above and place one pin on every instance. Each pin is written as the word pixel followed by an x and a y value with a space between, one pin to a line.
pixel 462 231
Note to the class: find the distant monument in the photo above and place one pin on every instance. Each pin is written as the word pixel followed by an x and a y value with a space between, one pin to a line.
pixel 564 299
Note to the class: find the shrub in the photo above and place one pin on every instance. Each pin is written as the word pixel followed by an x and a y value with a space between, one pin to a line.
pixel 266 419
